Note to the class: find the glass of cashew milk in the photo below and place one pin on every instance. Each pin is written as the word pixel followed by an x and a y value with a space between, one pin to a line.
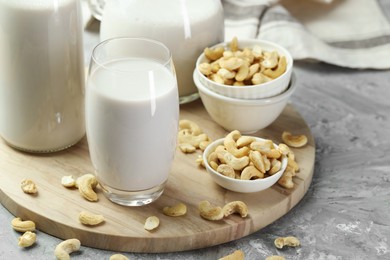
pixel 132 113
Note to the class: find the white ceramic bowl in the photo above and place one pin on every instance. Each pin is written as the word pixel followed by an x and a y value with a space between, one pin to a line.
pixel 247 116
pixel 243 186
pixel 268 89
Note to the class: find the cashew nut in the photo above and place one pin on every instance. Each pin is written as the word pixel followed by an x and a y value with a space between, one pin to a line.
pixel 257 51
pixel 280 242
pixel 251 172
pixel 193 140
pixel 90 219
pixel 273 153
pixel 270 60
pixel 234 44
pixel 179 209
pixel 199 161
pixel 151 223
pixel 118 257
pixel 259 78
pixel 293 164
pixel 209 212
pixel 283 149
pixel 214 54
pixel 217 78
pixel 226 74
pixel 205 68
pixel 187 148
pixel 242 72
pixel 234 162
pixel 286 179
pixel 226 170
pixel 66 247
pixel 244 141
pixel 296 141
pixel 254 68
pixel 231 64
pixel 193 128
pixel 280 69
pixel 29 187
pixel 22 226
pixel 213 160
pixel 263 146
pixel 236 255
pixel 276 165
pixel 68 181
pixel 235 207
pixel 27 239
pixel 258 161
pixel 275 257
pixel 86 184
pixel 230 144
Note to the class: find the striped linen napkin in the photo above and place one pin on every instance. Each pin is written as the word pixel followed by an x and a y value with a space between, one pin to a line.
pixel 346 33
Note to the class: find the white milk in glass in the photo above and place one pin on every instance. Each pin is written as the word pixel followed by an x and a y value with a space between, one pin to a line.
pixel 132 123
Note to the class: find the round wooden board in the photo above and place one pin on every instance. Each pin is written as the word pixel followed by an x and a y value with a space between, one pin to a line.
pixel 55 209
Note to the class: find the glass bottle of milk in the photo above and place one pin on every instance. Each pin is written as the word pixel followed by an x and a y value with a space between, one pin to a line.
pixel 185 26
pixel 41 74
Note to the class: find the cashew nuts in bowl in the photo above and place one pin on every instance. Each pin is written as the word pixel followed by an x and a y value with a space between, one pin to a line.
pixel 257 170
pixel 245 69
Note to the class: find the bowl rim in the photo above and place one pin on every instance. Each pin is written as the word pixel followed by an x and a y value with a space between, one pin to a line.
pixel 251 102
pixel 250 41
pixel 276 176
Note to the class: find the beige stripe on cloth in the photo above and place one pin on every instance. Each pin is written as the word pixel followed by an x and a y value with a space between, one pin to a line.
pixel 347 33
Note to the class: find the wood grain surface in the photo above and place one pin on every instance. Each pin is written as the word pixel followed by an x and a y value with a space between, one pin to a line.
pixel 55 209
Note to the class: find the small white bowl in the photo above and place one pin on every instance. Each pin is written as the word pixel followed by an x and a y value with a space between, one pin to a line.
pixel 243 186
pixel 264 90
pixel 247 116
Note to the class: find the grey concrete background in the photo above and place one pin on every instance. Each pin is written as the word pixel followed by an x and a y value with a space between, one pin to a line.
pixel 346 212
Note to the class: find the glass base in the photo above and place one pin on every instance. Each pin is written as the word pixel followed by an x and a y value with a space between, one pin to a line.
pixel 132 198
pixel 43 150
pixel 188 99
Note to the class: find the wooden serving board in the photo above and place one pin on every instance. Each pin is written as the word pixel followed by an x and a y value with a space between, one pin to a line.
pixel 55 209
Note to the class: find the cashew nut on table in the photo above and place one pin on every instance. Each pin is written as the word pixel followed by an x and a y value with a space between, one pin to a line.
pixel 22 226
pixel 67 247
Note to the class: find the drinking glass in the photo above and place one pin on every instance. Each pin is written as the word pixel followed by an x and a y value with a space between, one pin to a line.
pixel 132 113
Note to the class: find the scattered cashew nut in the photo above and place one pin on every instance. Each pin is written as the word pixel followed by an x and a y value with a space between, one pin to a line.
pixel 68 181
pixel 66 247
pixel 118 257
pixel 151 223
pixel 295 141
pixel 236 255
pixel 191 137
pixel 28 186
pixel 22 226
pixel 179 209
pixel 275 257
pixel 209 212
pixel 280 242
pixel 235 207
pixel 90 219
pixel 86 185
pixel 27 239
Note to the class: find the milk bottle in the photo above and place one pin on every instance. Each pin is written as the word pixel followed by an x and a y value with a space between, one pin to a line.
pixel 41 74
pixel 185 26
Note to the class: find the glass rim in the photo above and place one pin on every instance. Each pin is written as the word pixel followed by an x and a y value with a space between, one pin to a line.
pixel 158 43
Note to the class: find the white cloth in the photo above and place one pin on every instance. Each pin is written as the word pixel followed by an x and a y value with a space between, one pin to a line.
pixel 347 33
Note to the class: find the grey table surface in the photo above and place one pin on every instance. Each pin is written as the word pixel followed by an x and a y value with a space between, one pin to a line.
pixel 346 211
